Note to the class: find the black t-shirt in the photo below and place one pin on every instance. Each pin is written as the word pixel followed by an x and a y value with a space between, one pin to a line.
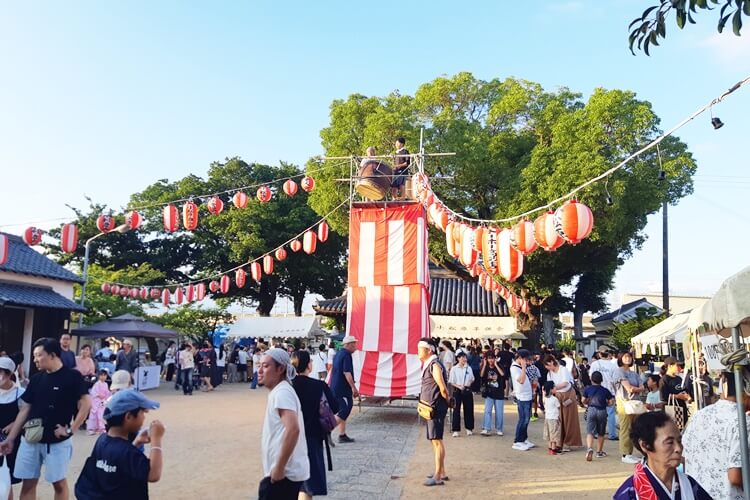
pixel 54 398
pixel 116 470
pixel 598 396
pixel 505 359
pixel 403 161
pixel 494 389
pixel 68 358
pixel 309 392
pixel 672 385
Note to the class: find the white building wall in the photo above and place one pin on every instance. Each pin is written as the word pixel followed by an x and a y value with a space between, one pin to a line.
pixel 64 288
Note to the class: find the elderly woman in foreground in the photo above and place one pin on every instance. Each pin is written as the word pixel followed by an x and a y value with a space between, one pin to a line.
pixel 656 478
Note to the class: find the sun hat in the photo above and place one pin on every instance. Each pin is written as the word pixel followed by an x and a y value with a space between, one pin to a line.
pixel 120 380
pixel 7 364
pixel 349 339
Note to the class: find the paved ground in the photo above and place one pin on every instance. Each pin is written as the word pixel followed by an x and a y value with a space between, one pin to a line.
pixel 211 451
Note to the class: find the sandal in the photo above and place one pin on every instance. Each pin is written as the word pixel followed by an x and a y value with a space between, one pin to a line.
pixel 433 482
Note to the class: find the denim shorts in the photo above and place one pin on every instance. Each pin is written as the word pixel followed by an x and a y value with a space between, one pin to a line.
pixel 596 421
pixel 345 406
pixel 55 457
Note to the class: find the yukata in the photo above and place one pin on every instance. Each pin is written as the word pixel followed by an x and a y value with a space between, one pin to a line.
pixel 100 393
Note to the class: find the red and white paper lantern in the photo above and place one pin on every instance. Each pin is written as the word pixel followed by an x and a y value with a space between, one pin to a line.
pixel 240 278
pixel 574 221
pixel 105 223
pixel 170 218
pixel 290 187
pixel 190 216
pixel 179 295
pixel 165 297
pixel 105 288
pixel 468 255
pixel 450 243
pixel 114 289
pixel 134 293
pixel 309 242
pixel 307 183
pixel 479 237
pixel 255 271
pixel 224 284
pixel 268 264
pixel 4 248
pixel 545 233
pixel 489 249
pixel 143 293
pixel 264 194
pixel 190 293
pixel 133 220
pixel 509 260
pixel 215 205
pixel 522 237
pixel 280 254
pixel 69 238
pixel 295 245
pixel 124 292
pixel 32 236
pixel 323 231
pixel 240 199
pixel 155 293
pixel 200 291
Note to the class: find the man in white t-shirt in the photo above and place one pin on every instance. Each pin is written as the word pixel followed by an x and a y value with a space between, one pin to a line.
pixel 319 362
pixel 329 357
pixel 242 364
pixel 257 355
pixel 608 369
pixel 283 444
pixel 524 395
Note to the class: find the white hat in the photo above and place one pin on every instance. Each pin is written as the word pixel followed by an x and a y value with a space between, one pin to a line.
pixel 120 380
pixel 7 364
pixel 349 339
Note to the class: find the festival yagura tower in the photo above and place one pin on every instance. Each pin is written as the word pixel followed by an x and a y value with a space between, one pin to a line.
pixel 388 295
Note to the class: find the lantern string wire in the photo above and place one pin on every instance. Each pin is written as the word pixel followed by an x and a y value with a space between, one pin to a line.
pixel 257 259
pixel 572 193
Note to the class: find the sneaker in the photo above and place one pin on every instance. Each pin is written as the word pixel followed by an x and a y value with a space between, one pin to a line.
pixel 550 451
pixel 485 432
pixel 529 444
pixel 520 447
pixel 589 455
pixel 629 459
pixel 565 449
pixel 499 433
pixel 601 454
pixel 534 418
pixel 469 433
pixel 343 438
pixel 455 434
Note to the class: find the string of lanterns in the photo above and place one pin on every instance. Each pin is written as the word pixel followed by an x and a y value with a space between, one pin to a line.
pixel 196 290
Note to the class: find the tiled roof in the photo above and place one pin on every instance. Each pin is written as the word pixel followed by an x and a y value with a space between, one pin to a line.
pixel 23 259
pixel 623 308
pixel 448 297
pixel 35 296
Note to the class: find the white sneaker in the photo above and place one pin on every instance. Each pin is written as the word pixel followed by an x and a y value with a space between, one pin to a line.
pixel 455 434
pixel 629 459
pixel 485 432
pixel 529 443
pixel 499 433
pixel 520 447
pixel 469 433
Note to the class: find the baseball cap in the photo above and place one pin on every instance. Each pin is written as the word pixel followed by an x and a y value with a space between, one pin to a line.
pixel 523 353
pixel 7 364
pixel 120 380
pixel 128 400
pixel 348 339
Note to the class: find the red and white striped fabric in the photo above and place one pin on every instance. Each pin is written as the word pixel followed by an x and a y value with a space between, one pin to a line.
pixel 388 322
pixel 4 249
pixel 388 246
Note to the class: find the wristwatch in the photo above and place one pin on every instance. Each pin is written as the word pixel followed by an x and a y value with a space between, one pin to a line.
pixel 69 431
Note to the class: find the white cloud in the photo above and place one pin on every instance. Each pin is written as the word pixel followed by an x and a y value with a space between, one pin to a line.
pixel 566 7
pixel 728 50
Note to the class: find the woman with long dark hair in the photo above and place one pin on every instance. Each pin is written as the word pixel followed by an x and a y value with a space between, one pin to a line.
pixel 310 393
pixel 563 390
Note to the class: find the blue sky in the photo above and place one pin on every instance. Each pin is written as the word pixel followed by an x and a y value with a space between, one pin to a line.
pixel 102 99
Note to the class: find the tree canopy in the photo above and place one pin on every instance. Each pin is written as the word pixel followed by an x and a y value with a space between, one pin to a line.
pixel 649 27
pixel 519 146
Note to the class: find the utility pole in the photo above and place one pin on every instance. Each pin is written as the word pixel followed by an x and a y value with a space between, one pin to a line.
pixel 665 257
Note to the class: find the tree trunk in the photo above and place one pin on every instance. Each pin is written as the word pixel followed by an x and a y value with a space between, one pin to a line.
pixel 529 325
pixel 298 298
pixel 266 297
pixel 548 328
pixel 578 312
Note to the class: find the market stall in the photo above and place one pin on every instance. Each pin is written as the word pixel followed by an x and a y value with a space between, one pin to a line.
pixel 657 338
pixel 275 327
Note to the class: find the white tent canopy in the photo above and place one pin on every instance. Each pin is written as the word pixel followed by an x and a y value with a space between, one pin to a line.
pixel 729 308
pixel 275 327
pixel 672 328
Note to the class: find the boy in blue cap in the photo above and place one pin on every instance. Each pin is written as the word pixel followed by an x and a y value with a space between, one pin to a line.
pixel 116 468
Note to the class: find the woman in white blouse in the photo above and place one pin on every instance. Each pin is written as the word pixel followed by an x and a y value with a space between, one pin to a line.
pixel 571 427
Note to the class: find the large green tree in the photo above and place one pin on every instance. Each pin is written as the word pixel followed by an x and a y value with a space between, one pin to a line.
pixel 518 147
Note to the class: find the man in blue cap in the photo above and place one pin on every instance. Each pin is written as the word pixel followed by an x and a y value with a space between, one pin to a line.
pixel 116 468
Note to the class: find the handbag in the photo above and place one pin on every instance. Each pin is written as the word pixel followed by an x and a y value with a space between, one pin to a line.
pixel 326 418
pixel 677 412
pixel 633 407
pixel 33 430
pixel 425 410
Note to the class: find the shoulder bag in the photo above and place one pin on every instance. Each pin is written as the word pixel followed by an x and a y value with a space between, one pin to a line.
pixel 674 410
pixel 425 410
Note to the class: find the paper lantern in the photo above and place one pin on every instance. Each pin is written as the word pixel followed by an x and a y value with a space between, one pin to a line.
pixel 106 287
pixel 489 249
pixel 32 236
pixel 215 205
pixel 213 286
pixel 224 284
pixel 468 254
pixel 170 218
pixel 479 237
pixel 190 216
pixel 290 187
pixel 522 237
pixel 240 277
pixel 574 221
pixel 155 293
pixel 143 293
pixel 240 199
pixel 509 260
pixel 69 238
pixel 264 194
pixel 268 264
pixel 280 254
pixel 114 289
pixel 133 220
pixel 134 293
pixel 433 213
pixel 295 245
pixel 124 291
pixel 309 242
pixel 4 248
pixel 200 291
pixel 456 229
pixel 165 296
pixel 190 293
pixel 323 232
pixel 307 183
pixel 545 233
pixel 179 295
pixel 255 271
pixel 105 223
pixel 450 243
